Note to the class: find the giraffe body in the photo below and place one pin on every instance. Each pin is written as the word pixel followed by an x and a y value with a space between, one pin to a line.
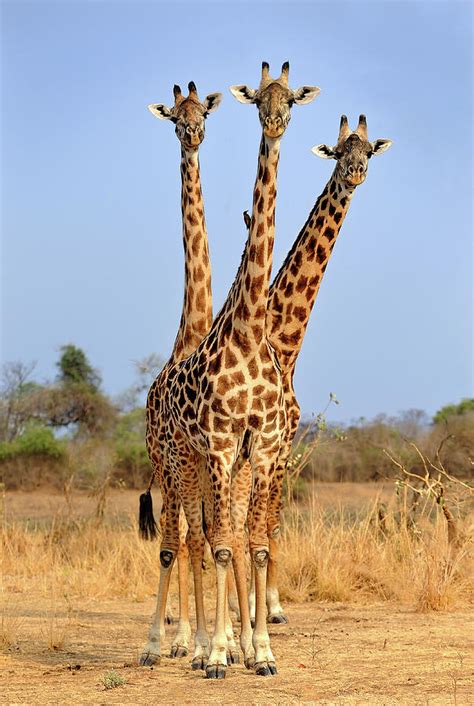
pixel 226 399
pixel 292 297
pixel 188 115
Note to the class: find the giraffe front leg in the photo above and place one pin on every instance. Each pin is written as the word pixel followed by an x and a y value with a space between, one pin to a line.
pixel 217 664
pixel 219 468
pixel 240 571
pixel 196 541
pixel 240 494
pixel 264 659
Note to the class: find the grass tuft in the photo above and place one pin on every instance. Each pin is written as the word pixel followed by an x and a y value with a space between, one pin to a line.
pixel 112 680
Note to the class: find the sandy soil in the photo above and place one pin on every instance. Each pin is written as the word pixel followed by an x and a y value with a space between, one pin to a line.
pixel 328 654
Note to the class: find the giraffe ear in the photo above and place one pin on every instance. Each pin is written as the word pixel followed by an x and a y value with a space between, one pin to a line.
pixel 306 94
pixel 380 146
pixel 211 102
pixel 244 94
pixel 160 111
pixel 324 151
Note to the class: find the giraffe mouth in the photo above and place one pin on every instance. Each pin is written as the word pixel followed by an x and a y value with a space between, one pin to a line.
pixel 194 141
pixel 273 131
pixel 355 179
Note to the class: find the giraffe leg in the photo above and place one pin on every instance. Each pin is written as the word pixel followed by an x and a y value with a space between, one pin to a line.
pixel 180 644
pixel 252 593
pixel 151 653
pixel 219 467
pixel 233 598
pixel 240 571
pixel 232 654
pixel 241 483
pixel 168 614
pixel 217 663
pixel 275 613
pixel 262 471
pixel 196 542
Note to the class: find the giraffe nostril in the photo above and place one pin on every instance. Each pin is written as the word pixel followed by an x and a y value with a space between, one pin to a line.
pixel 350 169
pixel 268 120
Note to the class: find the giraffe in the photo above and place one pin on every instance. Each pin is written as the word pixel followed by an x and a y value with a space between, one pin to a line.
pixel 188 114
pixel 291 299
pixel 224 400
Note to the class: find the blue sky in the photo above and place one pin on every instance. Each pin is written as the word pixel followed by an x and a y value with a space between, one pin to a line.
pixel 92 252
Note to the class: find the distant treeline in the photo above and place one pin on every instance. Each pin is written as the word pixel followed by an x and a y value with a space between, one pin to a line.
pixel 68 429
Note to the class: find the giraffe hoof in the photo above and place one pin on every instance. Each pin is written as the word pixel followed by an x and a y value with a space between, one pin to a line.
pixel 233 657
pixel 277 618
pixel 265 669
pixel 249 662
pixel 215 671
pixel 199 663
pixel 148 659
pixel 178 651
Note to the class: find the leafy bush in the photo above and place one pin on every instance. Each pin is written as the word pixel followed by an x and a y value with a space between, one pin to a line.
pixel 33 457
pixel 36 440
pixel 130 448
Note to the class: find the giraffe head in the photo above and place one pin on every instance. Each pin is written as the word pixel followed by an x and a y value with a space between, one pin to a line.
pixel 188 114
pixel 274 99
pixel 352 151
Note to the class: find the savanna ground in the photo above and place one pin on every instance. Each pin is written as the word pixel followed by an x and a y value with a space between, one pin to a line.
pixel 379 614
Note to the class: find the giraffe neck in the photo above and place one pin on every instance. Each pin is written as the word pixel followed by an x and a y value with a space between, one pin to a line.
pixel 245 308
pixel 196 316
pixel 294 290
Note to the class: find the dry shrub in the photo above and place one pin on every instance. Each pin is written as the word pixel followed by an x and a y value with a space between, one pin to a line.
pixel 343 558
pixel 80 559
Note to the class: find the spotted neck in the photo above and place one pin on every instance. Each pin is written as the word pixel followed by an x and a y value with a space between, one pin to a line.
pixel 245 310
pixel 196 316
pixel 295 288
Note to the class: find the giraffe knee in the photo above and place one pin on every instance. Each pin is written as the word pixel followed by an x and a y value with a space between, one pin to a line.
pixel 166 557
pixel 260 558
pixel 223 557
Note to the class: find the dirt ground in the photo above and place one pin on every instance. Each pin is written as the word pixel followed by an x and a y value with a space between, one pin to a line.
pixel 327 654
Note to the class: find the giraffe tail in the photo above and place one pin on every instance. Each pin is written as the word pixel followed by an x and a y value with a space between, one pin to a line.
pixel 146 520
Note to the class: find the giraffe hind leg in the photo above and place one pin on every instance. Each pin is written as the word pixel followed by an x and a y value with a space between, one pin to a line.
pixel 180 644
pixel 151 653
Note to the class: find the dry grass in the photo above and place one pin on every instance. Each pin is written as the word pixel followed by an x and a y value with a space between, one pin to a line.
pixel 324 556
pixel 356 559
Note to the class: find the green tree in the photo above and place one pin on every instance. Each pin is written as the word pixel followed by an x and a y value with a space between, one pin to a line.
pixel 454 410
pixel 74 368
